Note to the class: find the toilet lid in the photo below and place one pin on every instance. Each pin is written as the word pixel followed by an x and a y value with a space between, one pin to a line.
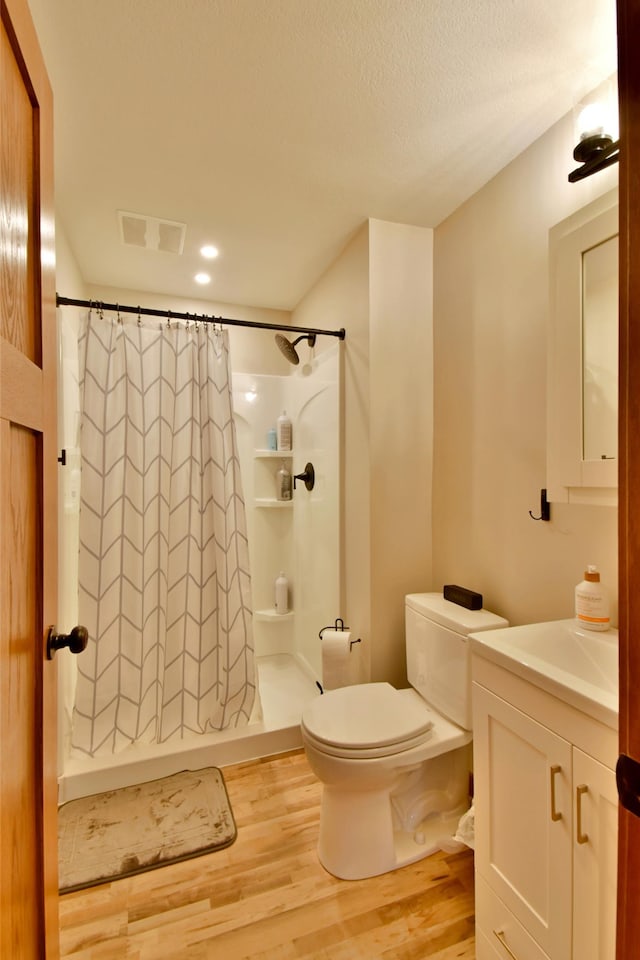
pixel 366 715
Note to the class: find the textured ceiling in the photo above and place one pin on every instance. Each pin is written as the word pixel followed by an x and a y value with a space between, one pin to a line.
pixel 274 128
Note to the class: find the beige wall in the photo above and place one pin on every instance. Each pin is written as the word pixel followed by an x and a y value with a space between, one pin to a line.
pixel 490 327
pixel 401 431
pixel 69 282
pixel 380 291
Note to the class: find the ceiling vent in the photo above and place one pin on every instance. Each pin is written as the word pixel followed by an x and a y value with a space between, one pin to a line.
pixel 138 230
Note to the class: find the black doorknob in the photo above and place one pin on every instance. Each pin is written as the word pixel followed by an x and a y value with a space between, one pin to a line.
pixel 76 641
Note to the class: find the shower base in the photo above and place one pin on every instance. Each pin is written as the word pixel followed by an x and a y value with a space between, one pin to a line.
pixel 286 685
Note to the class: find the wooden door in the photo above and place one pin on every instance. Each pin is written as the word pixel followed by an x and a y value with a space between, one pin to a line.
pixel 629 445
pixel 28 467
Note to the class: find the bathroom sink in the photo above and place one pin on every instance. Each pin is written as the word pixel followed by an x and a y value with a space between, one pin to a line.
pixel 576 665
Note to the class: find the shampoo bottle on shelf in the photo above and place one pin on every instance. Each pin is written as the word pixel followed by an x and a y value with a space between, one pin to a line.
pixel 285 438
pixel 284 483
pixel 592 602
pixel 282 594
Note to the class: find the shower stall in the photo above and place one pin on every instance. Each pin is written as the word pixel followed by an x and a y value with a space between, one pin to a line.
pixel 299 537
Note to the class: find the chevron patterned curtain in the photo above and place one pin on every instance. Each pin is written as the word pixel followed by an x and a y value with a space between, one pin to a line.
pixel 164 585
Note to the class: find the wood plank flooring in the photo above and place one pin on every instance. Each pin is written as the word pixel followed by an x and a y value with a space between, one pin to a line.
pixel 266 897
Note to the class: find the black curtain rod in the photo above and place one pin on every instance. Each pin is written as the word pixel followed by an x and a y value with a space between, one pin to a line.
pixel 200 318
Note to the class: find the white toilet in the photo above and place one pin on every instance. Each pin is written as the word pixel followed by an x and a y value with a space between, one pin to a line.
pixel 395 764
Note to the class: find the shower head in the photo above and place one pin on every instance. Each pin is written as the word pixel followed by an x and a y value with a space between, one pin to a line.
pixel 289 349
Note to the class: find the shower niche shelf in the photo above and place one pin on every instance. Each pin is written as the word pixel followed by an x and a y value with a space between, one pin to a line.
pixel 266 478
pixel 272 503
pixel 273 454
pixel 271 615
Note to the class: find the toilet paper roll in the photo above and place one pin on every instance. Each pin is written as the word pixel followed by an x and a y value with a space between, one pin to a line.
pixel 339 659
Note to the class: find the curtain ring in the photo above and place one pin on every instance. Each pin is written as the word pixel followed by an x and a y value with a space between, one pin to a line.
pixel 168 319
pixel 218 340
pixel 139 320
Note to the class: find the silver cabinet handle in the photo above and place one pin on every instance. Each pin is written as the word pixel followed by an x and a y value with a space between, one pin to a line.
pixel 503 940
pixel 580 791
pixel 553 772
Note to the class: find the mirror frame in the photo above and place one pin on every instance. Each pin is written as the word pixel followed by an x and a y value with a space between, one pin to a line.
pixel 570 479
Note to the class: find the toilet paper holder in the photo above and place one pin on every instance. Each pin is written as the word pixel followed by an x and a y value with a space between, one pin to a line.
pixel 339 625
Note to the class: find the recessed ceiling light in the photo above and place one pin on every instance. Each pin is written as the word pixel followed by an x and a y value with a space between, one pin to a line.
pixel 209 251
pixel 202 278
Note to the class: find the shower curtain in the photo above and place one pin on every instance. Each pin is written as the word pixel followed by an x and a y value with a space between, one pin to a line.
pixel 164 585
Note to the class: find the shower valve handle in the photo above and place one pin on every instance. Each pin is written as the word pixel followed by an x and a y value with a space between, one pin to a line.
pixel 76 641
pixel 308 477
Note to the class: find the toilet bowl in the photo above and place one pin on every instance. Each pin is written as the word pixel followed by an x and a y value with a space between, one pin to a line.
pixel 395 764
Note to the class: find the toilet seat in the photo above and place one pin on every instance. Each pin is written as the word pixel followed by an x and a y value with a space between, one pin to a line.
pixel 366 720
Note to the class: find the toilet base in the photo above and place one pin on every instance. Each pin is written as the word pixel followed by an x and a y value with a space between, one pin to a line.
pixel 436 833
pixel 383 822
pixel 367 844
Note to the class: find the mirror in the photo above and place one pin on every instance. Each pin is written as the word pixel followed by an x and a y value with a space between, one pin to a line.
pixel 582 390
pixel 600 351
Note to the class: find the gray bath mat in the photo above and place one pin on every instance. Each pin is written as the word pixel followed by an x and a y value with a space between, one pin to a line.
pixel 121 832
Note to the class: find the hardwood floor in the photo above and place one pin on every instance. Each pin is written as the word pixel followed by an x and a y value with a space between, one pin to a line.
pixel 267 896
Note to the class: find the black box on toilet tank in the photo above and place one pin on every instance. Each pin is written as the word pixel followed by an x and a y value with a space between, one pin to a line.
pixel 463 597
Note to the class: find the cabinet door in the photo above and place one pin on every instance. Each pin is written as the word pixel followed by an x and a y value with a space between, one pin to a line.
pixel 595 838
pixel 523 818
pixel 484 948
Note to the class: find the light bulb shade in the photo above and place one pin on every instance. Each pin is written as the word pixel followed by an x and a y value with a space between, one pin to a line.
pixel 596 126
pixel 596 115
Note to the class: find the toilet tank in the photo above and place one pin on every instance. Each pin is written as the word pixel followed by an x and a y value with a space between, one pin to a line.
pixel 438 655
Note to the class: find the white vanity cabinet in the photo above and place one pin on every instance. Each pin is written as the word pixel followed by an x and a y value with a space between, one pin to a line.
pixel 595 859
pixel 545 823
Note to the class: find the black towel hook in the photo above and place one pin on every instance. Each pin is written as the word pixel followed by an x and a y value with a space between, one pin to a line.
pixel 545 507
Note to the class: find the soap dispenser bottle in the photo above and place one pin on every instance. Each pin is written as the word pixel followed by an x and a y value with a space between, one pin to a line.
pixel 592 602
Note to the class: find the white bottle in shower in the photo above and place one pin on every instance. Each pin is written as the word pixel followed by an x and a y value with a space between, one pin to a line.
pixel 282 594
pixel 284 489
pixel 284 432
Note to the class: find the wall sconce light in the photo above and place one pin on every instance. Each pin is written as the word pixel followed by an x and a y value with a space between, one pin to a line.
pixel 596 125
